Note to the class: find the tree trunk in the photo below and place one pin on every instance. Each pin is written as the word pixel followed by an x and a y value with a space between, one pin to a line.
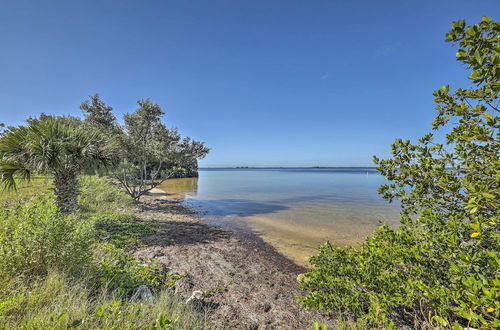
pixel 66 190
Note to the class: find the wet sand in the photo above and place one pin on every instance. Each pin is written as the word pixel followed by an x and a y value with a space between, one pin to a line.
pixel 254 285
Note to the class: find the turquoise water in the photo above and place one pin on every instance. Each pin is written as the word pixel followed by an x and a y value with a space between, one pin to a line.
pixel 295 209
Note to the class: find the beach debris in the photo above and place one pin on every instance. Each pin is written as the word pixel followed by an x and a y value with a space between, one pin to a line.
pixel 195 296
pixel 143 293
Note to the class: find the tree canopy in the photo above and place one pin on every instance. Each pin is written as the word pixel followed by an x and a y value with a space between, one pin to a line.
pixel 149 151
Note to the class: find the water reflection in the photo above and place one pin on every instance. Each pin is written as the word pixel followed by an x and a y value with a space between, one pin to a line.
pixel 178 188
pixel 237 207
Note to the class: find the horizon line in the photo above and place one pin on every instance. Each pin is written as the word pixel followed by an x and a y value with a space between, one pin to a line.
pixel 245 167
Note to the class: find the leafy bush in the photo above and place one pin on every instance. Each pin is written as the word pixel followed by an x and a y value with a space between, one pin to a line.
pixel 442 266
pixel 183 172
pixel 35 238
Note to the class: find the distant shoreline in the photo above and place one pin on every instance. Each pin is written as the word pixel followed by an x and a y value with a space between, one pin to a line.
pixel 284 167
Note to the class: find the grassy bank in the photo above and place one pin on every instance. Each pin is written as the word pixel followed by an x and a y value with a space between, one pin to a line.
pixel 64 271
pixel 25 190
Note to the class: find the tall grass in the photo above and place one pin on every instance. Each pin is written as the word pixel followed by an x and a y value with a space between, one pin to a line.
pixel 98 196
pixel 60 303
pixel 36 238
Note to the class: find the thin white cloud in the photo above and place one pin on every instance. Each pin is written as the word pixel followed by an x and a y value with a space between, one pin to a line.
pixel 325 76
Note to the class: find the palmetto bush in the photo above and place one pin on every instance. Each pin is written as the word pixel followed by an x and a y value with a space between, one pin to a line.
pixel 61 147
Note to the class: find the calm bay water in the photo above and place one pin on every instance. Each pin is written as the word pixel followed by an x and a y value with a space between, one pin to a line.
pixel 295 209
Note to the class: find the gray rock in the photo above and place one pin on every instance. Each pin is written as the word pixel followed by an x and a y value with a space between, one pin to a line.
pixel 143 293
pixel 196 296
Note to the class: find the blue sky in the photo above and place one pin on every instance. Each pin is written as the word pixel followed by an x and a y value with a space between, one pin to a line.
pixel 264 83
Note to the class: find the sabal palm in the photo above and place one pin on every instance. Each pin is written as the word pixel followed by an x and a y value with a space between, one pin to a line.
pixel 58 146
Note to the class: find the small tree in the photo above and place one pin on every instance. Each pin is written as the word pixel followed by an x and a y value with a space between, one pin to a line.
pixel 58 146
pixel 146 145
pixel 149 152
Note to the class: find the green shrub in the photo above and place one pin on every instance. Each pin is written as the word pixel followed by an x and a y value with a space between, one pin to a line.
pixel 35 238
pixel 116 271
pixel 442 266
pixel 183 172
pixel 98 195
pixel 402 276
pixel 122 230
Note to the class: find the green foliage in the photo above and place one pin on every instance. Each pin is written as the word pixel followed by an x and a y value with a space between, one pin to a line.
pixel 57 146
pixel 98 114
pixel 122 230
pixel 54 274
pixel 118 271
pixel 442 266
pixel 60 303
pixel 97 195
pixel 149 152
pixel 162 322
pixel 182 172
pixel 319 326
pixel 35 238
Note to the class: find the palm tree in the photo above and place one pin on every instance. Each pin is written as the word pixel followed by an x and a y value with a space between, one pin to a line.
pixel 61 147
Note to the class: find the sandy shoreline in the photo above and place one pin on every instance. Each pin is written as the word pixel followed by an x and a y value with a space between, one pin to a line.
pixel 251 285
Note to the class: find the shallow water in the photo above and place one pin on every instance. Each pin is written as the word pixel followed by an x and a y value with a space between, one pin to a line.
pixel 295 210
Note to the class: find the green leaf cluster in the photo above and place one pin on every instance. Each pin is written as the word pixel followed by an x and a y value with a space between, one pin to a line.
pixel 35 239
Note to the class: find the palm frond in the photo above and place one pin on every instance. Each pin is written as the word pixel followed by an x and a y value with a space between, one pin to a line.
pixel 52 144
pixel 8 174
